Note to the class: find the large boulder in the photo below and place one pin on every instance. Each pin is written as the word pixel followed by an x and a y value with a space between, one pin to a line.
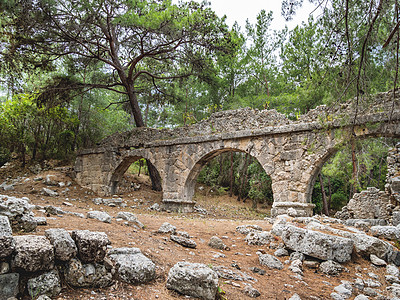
pixel 46 284
pixel 33 253
pixel 193 279
pixel 7 246
pixel 92 245
pixel 87 275
pixel 366 245
pixel 131 265
pixel 316 244
pixel 64 245
pixel 9 285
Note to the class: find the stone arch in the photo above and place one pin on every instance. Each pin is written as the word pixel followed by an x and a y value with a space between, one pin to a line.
pixel 122 167
pixel 190 182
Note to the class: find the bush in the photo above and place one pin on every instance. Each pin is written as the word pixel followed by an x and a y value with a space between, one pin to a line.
pixel 338 200
pixel 4 156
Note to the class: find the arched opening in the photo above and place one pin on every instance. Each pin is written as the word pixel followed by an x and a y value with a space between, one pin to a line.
pixel 349 169
pixel 130 176
pixel 230 177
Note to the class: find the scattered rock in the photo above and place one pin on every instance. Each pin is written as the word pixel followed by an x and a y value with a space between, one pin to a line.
pixel 131 218
pixel 216 243
pixel 193 279
pixel 5 227
pixel 49 192
pixel 53 210
pixel 155 207
pixel 251 292
pixel 281 252
pixel 377 261
pixel 92 245
pixel 64 245
pixel 185 242
pixel 331 267
pixel 167 228
pixel 295 297
pixel 40 221
pixel 270 261
pixel 99 215
pixel 246 229
pixel 259 238
pixel 387 232
pixel 227 273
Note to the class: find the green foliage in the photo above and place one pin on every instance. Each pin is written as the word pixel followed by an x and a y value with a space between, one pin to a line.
pixel 338 200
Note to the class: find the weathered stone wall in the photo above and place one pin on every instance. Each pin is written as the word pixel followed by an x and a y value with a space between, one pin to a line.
pixel 393 176
pixel 369 204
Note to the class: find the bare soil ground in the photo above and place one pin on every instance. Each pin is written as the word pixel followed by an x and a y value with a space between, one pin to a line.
pixel 224 214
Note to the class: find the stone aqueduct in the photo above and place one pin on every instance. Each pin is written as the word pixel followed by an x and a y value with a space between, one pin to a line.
pixel 291 152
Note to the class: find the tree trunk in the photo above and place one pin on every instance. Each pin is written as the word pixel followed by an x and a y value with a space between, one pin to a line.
pixel 330 193
pixel 231 176
pixel 324 202
pixel 137 114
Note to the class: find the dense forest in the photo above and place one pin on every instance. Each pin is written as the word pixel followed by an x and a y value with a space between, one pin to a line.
pixel 73 72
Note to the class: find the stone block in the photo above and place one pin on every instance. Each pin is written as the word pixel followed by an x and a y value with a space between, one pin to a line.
pixel 317 244
pixel 9 285
pixel 193 279
pixel 131 265
pixel 92 245
pixel 7 246
pixel 33 253
pixel 46 284
pixel 87 275
pixel 64 245
pixel 5 227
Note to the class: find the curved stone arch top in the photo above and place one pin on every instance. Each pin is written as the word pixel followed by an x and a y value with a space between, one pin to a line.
pixel 194 171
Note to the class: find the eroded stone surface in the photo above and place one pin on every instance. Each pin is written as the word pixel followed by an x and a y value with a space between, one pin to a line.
pixel 92 245
pixel 64 245
pixel 87 275
pixel 193 279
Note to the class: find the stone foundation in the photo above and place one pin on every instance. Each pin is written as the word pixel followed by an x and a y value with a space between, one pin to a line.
pixel 294 209
pixel 178 206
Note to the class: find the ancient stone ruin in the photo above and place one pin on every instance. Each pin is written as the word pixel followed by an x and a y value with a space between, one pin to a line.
pixel 292 152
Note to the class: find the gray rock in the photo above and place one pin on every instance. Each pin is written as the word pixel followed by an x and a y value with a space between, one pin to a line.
pixel 131 218
pixel 336 296
pixel 270 261
pixel 295 297
pixel 377 261
pixel 92 245
pixel 41 221
pixel 99 215
pixel 4 267
pixel 227 273
pixel 297 255
pixel 246 229
pixel 53 210
pixel 46 284
pixel 388 232
pixel 167 228
pixel 392 270
pixel 87 275
pixel 155 207
pixel 361 297
pixel 193 279
pixel 131 265
pixel 366 245
pixel 5 227
pixel 344 289
pixel 216 243
pixel 251 292
pixel 392 279
pixel 331 267
pixel 317 244
pixel 185 242
pixel 9 285
pixel 50 180
pixel 42 297
pixel 49 192
pixel 279 225
pixel 259 238
pixel 7 246
pixel 281 252
pixel 396 218
pixel 33 253
pixel 64 245
pixel 19 213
